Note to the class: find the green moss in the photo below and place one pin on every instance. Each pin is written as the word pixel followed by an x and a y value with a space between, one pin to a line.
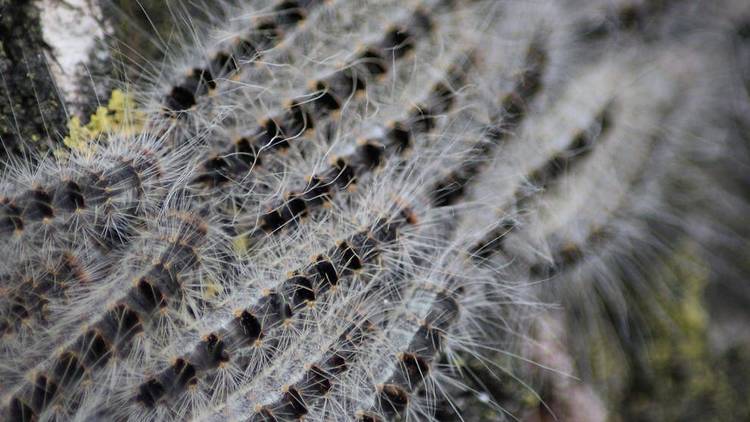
pixel 677 377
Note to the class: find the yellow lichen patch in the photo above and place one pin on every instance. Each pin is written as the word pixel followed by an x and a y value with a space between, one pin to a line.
pixel 78 136
pixel 119 116
pixel 211 290
pixel 681 341
pixel 240 244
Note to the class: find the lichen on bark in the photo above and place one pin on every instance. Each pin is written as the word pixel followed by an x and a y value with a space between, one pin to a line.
pixel 32 113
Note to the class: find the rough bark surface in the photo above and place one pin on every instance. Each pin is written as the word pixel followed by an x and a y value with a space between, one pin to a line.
pixel 32 115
